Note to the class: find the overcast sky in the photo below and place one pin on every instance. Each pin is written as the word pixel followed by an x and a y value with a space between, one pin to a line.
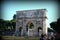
pixel 9 8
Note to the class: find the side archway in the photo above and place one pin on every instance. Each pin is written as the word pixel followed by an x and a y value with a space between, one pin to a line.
pixel 39 31
pixel 20 30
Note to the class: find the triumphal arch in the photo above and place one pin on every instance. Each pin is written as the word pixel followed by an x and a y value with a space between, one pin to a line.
pixel 31 22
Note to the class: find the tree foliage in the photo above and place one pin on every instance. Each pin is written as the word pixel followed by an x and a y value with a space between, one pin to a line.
pixel 4 24
pixel 56 25
pixel 51 30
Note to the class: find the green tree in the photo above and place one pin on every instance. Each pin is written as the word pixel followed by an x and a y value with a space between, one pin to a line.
pixel 31 26
pixel 13 22
pixel 51 30
pixel 56 27
pixel 14 17
pixel 2 24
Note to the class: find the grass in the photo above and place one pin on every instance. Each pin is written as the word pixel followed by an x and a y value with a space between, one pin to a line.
pixel 19 38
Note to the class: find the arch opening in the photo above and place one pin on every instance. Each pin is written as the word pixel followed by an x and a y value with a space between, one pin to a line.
pixel 29 28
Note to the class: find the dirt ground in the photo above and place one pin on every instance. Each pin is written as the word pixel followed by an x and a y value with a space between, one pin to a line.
pixel 18 38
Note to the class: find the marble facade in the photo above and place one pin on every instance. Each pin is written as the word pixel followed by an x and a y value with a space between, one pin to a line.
pixel 31 22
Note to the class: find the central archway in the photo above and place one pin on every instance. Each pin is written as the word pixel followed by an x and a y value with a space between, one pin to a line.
pixel 29 27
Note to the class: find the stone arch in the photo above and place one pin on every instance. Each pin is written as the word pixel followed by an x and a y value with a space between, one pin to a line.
pixel 39 31
pixel 20 30
pixel 29 27
pixel 39 28
pixel 29 24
